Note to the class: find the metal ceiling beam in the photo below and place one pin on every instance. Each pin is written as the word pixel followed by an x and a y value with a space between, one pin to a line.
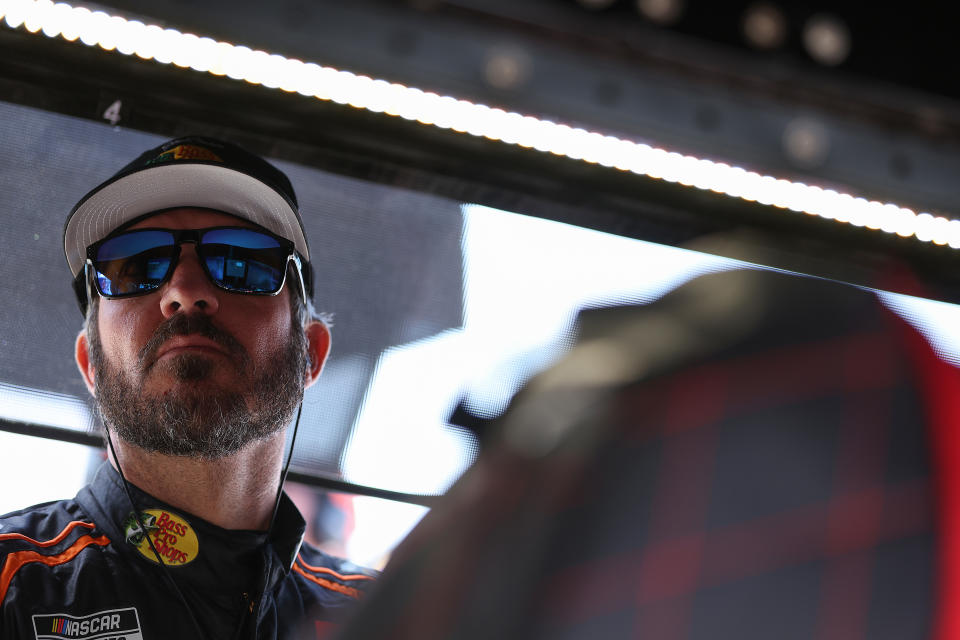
pixel 82 81
pixel 623 77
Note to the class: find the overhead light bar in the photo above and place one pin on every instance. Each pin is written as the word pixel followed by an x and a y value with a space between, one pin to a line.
pixel 186 50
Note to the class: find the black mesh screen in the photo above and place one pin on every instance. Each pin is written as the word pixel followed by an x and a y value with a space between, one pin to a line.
pixel 387 265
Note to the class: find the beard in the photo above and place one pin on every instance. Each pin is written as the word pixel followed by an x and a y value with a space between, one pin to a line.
pixel 198 418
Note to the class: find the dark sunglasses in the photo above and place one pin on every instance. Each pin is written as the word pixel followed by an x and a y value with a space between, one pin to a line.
pixel 236 259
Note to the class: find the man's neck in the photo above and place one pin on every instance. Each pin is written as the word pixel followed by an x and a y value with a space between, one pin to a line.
pixel 235 492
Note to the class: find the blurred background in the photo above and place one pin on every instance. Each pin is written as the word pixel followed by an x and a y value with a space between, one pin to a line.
pixel 452 257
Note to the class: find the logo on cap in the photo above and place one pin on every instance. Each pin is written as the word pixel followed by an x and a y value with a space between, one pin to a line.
pixel 186 152
pixel 172 536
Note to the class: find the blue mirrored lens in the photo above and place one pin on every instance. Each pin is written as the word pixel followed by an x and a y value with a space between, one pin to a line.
pixel 244 260
pixel 134 262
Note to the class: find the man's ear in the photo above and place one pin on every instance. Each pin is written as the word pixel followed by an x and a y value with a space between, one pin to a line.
pixel 82 355
pixel 318 347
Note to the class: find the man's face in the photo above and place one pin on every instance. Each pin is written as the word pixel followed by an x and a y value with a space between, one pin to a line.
pixel 194 370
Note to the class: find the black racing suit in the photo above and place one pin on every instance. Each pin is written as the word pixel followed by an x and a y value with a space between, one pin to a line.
pixel 82 569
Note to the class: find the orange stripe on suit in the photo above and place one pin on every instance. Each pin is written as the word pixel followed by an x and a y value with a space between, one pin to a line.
pixel 18 559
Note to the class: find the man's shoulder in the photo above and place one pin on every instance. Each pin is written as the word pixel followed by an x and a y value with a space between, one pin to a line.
pixel 47 528
pixel 335 576
pixel 43 522
pixel 52 535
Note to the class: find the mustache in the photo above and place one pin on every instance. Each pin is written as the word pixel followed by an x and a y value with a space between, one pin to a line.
pixel 185 325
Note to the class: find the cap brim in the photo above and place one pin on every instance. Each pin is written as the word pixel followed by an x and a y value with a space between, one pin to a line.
pixel 206 186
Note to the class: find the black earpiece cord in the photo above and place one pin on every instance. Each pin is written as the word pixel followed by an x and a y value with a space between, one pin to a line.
pixel 276 502
pixel 143 528
pixel 283 474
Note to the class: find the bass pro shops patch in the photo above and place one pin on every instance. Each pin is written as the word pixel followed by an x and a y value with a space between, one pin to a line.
pixel 172 536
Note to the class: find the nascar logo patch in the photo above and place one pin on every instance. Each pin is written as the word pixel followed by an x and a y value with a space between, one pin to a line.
pixel 114 624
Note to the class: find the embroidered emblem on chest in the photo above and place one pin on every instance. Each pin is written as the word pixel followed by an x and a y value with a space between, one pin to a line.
pixel 172 536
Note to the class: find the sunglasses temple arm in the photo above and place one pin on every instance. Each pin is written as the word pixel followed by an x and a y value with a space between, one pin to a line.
pixel 303 287
pixel 86 279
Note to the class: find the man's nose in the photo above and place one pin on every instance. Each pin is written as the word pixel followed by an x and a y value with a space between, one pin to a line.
pixel 189 290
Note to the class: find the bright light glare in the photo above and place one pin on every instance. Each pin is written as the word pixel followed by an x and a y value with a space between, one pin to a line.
pixel 274 71
pixel 23 455
pixel 66 463
pixel 380 526
pixel 33 406
pixel 938 322
pixel 525 278
pixel 405 446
